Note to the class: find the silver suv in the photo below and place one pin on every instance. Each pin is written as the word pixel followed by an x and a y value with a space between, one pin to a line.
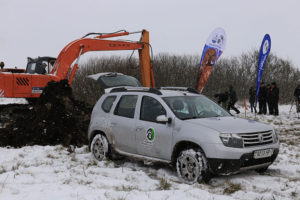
pixel 181 127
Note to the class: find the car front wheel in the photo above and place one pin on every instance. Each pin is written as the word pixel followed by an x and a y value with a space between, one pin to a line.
pixel 99 147
pixel 191 166
pixel 262 170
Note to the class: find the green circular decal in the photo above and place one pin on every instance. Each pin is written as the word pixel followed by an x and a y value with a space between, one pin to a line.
pixel 151 134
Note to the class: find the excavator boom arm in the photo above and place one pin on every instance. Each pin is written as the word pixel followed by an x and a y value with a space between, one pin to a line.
pixel 62 67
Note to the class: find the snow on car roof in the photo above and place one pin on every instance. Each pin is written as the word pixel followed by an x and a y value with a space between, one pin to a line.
pixel 166 93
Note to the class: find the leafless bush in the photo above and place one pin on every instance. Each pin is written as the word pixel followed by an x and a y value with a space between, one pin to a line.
pixel 175 70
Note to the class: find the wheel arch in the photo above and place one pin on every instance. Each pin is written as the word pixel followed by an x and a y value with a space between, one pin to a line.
pixel 181 145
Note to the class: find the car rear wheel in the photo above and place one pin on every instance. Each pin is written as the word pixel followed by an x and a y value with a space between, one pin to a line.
pixel 191 166
pixel 99 147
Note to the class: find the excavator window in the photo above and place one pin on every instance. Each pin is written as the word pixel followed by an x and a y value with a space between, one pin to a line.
pixel 51 65
pixel 45 67
pixel 36 68
pixel 31 68
pixel 40 65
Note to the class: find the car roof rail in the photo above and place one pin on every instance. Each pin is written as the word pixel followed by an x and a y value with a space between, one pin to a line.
pixel 135 89
pixel 188 89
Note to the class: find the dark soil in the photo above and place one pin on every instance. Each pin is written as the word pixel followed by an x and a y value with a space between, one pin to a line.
pixel 55 118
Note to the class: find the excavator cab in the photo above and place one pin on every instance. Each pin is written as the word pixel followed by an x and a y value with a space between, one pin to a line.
pixel 40 65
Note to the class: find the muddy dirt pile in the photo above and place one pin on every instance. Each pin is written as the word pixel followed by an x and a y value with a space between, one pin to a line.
pixel 55 118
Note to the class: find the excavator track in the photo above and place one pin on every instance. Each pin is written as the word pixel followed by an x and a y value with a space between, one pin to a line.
pixel 6 112
pixel 55 118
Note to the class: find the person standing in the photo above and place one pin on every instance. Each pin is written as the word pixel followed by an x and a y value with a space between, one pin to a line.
pixel 297 97
pixel 262 99
pixel 2 65
pixel 252 94
pixel 269 99
pixel 274 98
pixel 232 100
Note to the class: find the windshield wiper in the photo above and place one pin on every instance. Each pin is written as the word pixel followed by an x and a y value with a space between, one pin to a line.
pixel 194 117
pixel 217 116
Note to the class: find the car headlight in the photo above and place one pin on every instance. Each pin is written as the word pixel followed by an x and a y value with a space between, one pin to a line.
pixel 232 140
pixel 276 138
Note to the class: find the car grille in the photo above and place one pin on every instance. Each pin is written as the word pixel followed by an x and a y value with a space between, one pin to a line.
pixel 258 138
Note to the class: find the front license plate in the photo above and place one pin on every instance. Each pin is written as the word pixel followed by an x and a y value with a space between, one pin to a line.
pixel 263 153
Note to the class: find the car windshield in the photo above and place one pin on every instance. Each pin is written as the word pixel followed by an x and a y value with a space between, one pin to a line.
pixel 193 107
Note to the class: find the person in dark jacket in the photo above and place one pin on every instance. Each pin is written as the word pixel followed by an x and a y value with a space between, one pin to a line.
pixel 274 99
pixel 232 100
pixel 262 99
pixel 252 95
pixel 297 97
pixel 222 98
pixel 2 65
pixel 269 99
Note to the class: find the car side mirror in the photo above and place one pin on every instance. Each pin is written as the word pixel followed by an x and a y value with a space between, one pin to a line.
pixel 163 119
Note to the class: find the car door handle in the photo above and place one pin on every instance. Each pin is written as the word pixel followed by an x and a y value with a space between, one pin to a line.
pixel 114 123
pixel 139 128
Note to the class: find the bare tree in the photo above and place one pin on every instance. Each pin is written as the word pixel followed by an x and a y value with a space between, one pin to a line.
pixel 181 70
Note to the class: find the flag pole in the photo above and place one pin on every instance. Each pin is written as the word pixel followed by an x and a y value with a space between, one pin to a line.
pixel 245 105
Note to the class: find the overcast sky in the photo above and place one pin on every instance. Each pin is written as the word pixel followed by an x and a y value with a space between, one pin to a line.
pixel 43 27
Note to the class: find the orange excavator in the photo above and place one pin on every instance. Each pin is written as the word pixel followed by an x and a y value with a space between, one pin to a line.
pixel 39 72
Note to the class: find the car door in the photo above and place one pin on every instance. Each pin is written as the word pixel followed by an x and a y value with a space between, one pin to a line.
pixel 123 123
pixel 153 139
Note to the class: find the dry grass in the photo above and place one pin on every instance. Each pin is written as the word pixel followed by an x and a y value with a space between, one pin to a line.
pixel 126 188
pixel 164 184
pixel 232 188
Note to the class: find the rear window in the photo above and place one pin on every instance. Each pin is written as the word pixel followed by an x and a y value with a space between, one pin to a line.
pixel 126 106
pixel 107 103
pixel 114 80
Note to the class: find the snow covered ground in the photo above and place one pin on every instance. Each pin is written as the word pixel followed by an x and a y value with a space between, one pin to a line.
pixel 56 172
pixel 12 100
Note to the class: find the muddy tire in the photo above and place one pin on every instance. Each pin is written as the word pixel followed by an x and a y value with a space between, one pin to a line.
pixel 191 166
pixel 262 170
pixel 100 147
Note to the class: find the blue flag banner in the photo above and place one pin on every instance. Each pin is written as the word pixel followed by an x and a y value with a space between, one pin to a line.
pixel 263 55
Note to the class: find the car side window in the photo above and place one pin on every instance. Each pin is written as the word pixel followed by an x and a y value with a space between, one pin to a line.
pixel 126 106
pixel 180 107
pixel 151 109
pixel 107 103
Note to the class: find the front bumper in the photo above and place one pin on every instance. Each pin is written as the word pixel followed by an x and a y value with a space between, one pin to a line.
pixel 246 161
